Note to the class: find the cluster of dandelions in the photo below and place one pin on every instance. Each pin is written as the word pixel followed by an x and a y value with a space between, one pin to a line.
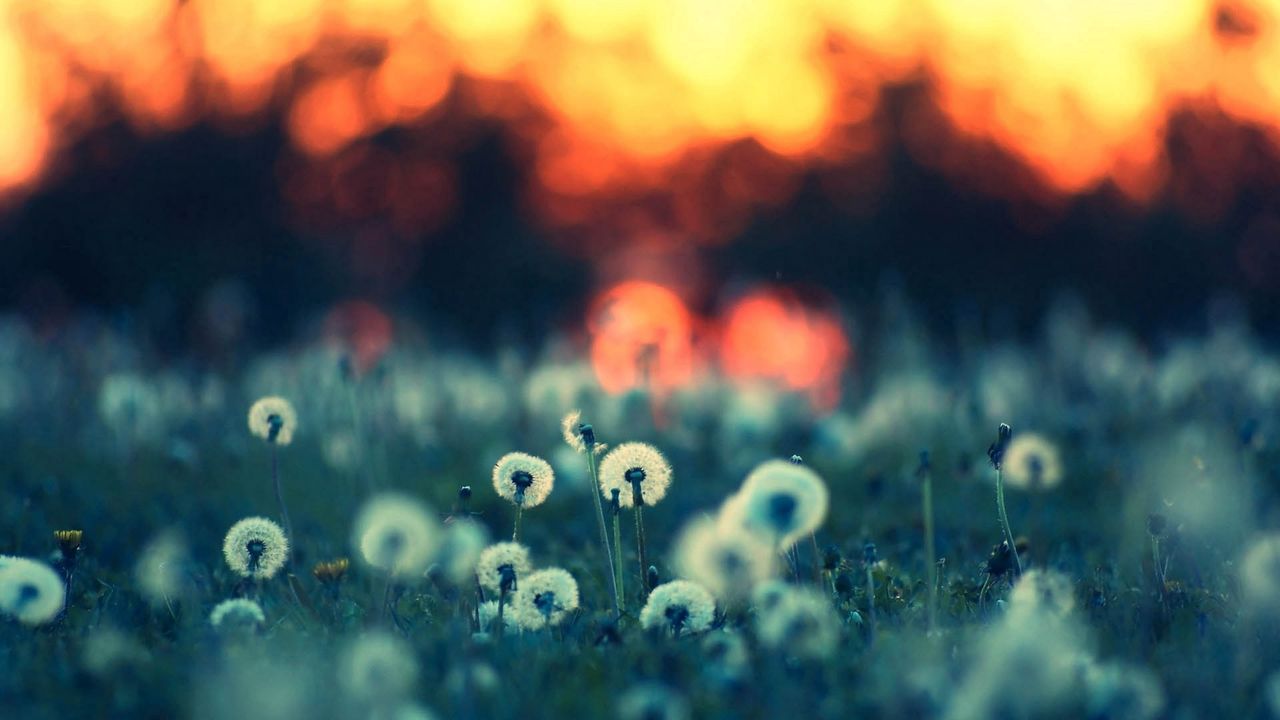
pixel 513 593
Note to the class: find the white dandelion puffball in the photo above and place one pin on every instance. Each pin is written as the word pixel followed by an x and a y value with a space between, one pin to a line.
pixel 802 625
pixel 30 591
pixel 237 612
pixel 256 547
pixel 273 419
pixel 1260 573
pixel 780 500
pixel 397 534
pixel 504 559
pixel 727 560
pixel 1042 591
pixel 378 667
pixel 1031 462
pixel 630 463
pixel 544 598
pixel 463 542
pixel 524 479
pixel 680 606
pixel 569 431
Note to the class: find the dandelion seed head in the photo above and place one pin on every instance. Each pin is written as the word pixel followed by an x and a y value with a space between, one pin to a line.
pixel 463 542
pixel 679 606
pixel 256 547
pixel 1031 462
pixel 30 591
pixel 780 500
pixel 502 560
pixel 273 419
pixel 1260 573
pixel 635 462
pixel 726 559
pixel 397 534
pixel 650 701
pixel 543 598
pixel 802 625
pixel 1042 591
pixel 378 668
pixel 523 479
pixel 237 613
pixel 569 431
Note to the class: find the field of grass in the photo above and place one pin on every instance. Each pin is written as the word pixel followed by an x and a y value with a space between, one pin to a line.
pixel 1150 581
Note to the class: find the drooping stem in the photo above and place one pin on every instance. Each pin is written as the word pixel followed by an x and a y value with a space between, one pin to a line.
pixel 930 551
pixel 1004 520
pixel 589 437
pixel 637 501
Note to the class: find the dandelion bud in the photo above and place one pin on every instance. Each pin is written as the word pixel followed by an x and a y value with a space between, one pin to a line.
pixel 464 494
pixel 796 460
pixel 831 558
pixel 869 554
pixel 996 452
pixel 651 577
pixel 68 543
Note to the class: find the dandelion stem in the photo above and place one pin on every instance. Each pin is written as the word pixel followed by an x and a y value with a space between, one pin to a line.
pixel 638 501
pixel 284 509
pixel 617 549
pixel 1004 520
pixel 871 606
pixel 930 550
pixel 604 532
pixel 817 560
pixel 515 534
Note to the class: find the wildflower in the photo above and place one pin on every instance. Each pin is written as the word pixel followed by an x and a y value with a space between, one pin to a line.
pixel 1031 462
pixel 397 534
pixel 782 501
pixel 238 613
pixel 652 702
pixel 273 419
pixel 463 542
pixel 161 568
pixel 802 624
pixel 727 560
pixel 501 566
pixel 331 572
pixel 256 547
pixel 544 598
pixel 30 591
pixel 635 470
pixel 378 668
pixel 570 429
pixel 524 479
pixel 1044 592
pixel 680 606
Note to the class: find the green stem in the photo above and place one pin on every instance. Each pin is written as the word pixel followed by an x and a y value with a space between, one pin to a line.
pixel 515 534
pixel 1004 520
pixel 871 605
pixel 637 501
pixel 617 565
pixel 604 533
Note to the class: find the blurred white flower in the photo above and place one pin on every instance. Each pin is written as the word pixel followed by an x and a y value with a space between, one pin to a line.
pixel 679 606
pixel 397 534
pixel 273 419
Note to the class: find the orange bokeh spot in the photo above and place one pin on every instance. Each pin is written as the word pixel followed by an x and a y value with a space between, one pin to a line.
pixel 358 327
pixel 641 337
pixel 770 335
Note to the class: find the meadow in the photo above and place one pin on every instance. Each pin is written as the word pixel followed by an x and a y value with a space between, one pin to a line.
pixel 795 557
